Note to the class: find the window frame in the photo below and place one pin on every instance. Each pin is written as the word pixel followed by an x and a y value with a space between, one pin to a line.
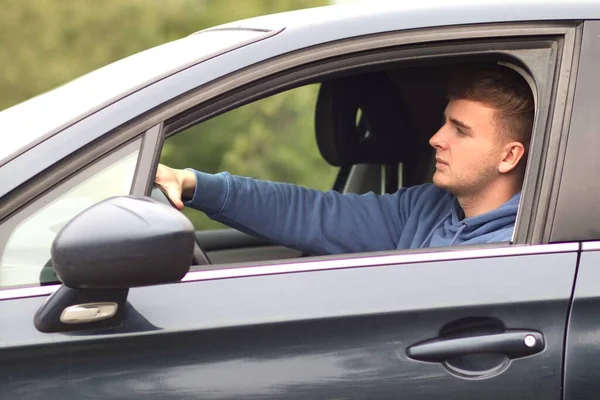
pixel 308 66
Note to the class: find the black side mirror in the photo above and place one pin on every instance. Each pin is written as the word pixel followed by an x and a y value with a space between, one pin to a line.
pixel 119 243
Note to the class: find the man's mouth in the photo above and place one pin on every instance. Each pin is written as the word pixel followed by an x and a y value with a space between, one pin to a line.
pixel 439 162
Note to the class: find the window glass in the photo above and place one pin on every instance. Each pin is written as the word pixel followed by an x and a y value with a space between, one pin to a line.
pixel 27 237
pixel 271 139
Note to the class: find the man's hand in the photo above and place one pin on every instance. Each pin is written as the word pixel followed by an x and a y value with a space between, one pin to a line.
pixel 177 183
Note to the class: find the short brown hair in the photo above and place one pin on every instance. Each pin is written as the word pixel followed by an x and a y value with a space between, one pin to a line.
pixel 501 88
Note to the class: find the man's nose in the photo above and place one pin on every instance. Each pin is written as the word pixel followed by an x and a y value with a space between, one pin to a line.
pixel 437 140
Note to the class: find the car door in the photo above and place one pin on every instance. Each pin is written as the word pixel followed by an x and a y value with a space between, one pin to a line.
pixel 478 324
pixel 466 322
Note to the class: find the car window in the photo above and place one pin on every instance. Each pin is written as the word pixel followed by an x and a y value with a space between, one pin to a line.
pixel 271 139
pixel 26 238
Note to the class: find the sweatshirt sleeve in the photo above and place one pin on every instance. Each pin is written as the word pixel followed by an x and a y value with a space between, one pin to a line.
pixel 309 220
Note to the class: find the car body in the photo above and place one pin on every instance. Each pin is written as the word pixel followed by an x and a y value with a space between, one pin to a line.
pixel 498 321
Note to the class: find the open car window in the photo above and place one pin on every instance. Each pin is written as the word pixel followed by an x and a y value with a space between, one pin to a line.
pixel 270 139
pixel 378 122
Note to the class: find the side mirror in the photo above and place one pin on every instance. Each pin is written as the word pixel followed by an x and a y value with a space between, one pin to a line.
pixel 119 243
pixel 124 242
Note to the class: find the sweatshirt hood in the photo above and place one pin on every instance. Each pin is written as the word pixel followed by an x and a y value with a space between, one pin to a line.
pixel 456 230
pixel 492 221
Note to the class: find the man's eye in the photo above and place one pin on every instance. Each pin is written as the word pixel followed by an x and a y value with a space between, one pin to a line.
pixel 460 132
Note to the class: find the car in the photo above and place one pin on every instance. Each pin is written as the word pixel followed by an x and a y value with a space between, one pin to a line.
pixel 107 291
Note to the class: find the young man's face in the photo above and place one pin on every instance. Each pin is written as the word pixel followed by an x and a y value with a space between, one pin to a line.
pixel 468 148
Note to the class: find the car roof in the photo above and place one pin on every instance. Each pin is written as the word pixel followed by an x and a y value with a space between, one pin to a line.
pixel 372 16
pixel 298 29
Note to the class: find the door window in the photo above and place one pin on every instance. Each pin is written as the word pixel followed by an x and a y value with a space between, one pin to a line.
pixel 27 237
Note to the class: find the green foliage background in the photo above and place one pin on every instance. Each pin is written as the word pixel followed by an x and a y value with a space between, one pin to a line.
pixel 44 43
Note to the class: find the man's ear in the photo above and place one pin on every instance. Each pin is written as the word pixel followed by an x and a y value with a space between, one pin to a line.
pixel 513 153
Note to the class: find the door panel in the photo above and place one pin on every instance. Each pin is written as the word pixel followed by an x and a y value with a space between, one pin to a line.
pixel 582 353
pixel 227 246
pixel 253 254
pixel 226 239
pixel 313 332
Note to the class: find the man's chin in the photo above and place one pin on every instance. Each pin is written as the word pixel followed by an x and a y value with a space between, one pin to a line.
pixel 441 183
pixel 438 180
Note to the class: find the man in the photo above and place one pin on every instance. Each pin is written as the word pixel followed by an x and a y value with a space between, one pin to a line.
pixel 480 162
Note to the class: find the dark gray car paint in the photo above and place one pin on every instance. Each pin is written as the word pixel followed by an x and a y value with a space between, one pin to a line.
pixel 582 352
pixel 333 333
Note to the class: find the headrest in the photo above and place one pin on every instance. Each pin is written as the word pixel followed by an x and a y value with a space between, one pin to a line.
pixel 390 136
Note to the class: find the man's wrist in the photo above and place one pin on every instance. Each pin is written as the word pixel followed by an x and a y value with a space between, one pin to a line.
pixel 188 183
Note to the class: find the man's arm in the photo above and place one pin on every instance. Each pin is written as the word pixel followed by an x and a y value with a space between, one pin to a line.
pixel 312 221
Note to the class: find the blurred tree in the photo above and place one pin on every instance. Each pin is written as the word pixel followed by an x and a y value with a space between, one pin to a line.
pixel 48 42
pixel 270 139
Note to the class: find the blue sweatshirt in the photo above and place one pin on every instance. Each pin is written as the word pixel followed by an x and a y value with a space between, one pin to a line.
pixel 329 222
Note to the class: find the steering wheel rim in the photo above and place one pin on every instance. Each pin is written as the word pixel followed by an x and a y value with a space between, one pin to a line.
pixel 199 256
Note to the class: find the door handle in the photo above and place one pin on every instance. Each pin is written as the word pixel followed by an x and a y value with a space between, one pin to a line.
pixel 513 344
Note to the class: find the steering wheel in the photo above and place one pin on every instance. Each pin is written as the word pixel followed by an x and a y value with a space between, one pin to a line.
pixel 200 257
